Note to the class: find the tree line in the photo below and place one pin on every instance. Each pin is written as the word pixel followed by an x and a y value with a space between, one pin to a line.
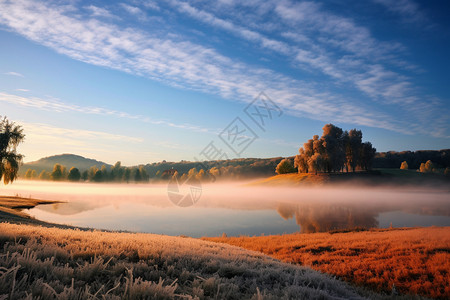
pixel 116 173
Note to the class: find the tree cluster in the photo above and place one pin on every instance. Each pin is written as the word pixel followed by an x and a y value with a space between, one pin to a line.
pixel 335 151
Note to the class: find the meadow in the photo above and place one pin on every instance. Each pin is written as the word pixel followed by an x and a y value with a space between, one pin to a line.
pixel 53 263
pixel 415 260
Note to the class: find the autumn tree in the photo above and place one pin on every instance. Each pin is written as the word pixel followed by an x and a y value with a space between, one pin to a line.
pixel 427 167
pixel 30 174
pixel 11 135
pixel 44 175
pixel 284 167
pixel 404 165
pixel 214 171
pixel 301 161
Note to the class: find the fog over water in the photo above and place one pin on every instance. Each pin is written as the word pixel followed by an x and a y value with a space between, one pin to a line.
pixel 235 208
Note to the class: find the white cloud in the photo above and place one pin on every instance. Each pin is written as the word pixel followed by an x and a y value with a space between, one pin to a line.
pixel 22 90
pixel 135 11
pixel 14 74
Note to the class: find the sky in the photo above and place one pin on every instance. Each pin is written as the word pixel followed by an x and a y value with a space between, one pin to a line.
pixel 145 81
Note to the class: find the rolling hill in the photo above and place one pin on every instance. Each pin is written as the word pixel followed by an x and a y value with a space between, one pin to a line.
pixel 68 160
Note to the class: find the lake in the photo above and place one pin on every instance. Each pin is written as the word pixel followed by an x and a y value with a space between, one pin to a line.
pixel 234 208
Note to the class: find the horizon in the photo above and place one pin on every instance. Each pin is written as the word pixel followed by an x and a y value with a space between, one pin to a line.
pixel 151 81
pixel 179 161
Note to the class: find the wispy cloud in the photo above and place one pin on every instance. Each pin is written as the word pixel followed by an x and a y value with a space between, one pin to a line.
pixel 96 11
pixel 135 11
pixel 22 90
pixel 60 107
pixel 76 135
pixel 14 74
pixel 408 10
pixel 358 57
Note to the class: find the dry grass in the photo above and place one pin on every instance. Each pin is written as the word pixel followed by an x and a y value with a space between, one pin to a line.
pixel 52 263
pixel 293 179
pixel 416 260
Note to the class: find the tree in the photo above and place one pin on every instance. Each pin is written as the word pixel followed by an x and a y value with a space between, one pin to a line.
pixel 98 176
pixel 284 167
pixel 427 167
pixel 201 175
pixel 11 135
pixel 117 171
pixel 57 173
pixel 105 174
pixel 127 175
pixel 404 165
pixel 137 175
pixel 316 163
pixel 44 175
pixel 353 148
pixel 144 174
pixel 301 161
pixel 214 171
pixel 367 155
pixel 30 174
pixel 74 174
pixel 85 175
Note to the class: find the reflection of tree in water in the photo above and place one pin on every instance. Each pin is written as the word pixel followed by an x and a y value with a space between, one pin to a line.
pixel 322 218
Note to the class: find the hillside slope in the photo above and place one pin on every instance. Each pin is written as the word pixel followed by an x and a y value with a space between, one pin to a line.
pixel 68 160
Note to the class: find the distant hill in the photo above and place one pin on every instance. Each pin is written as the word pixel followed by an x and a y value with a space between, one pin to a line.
pixel 68 160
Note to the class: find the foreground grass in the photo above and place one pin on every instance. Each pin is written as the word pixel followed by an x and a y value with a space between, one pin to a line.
pixel 416 260
pixel 53 263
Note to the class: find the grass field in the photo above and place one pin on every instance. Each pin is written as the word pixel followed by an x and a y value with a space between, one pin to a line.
pixel 53 263
pixel 374 177
pixel 416 260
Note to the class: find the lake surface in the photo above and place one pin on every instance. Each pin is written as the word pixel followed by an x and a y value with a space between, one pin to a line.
pixel 234 208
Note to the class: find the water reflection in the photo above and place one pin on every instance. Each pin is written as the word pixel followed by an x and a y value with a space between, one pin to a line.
pixel 236 209
pixel 318 218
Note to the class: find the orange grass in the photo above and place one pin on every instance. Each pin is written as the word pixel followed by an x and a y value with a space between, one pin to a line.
pixel 416 260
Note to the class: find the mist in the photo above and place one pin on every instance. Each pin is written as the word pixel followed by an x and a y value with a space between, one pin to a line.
pixel 236 207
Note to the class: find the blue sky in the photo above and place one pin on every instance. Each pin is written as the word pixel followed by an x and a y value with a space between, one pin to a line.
pixel 145 81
